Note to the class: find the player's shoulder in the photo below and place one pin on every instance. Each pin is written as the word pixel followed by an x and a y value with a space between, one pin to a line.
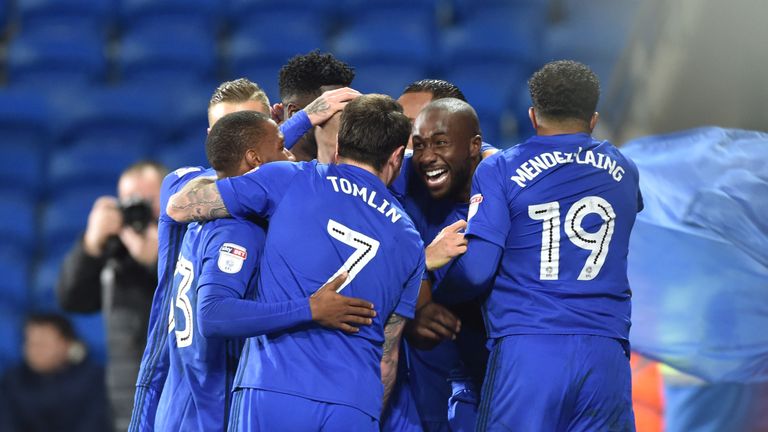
pixel 176 179
pixel 242 232
pixel 285 169
pixel 616 154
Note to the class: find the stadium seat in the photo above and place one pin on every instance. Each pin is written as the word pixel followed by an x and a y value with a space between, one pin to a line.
pixel 189 110
pixel 90 329
pixel 263 74
pixel 422 14
pixel 91 162
pixel 383 42
pixel 45 16
pixel 535 11
pixel 190 152
pixel 10 336
pixel 24 117
pixel 490 39
pixel 240 13
pixel 44 279
pixel 65 217
pixel 14 284
pixel 129 116
pixel 386 79
pixel 21 168
pixel 258 45
pixel 19 222
pixel 157 55
pixel 172 15
pixel 48 59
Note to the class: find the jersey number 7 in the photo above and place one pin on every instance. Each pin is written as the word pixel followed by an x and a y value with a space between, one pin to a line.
pixel 596 242
pixel 365 249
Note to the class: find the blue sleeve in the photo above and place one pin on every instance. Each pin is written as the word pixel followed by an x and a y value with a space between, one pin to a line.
pixel 407 305
pixel 484 147
pixel 258 192
pixel 222 313
pixel 155 362
pixel 489 216
pixel 295 127
pixel 471 274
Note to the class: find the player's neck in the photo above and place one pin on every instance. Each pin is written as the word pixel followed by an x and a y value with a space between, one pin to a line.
pixel 370 169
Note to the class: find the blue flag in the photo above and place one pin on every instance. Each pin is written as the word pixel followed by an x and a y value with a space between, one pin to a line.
pixel 698 260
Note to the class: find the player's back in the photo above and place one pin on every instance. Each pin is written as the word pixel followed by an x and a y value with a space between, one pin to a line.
pixel 333 218
pixel 572 202
pixel 201 371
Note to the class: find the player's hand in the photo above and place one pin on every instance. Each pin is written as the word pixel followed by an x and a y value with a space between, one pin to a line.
pixel 448 244
pixel 329 103
pixel 333 310
pixel 141 246
pixel 277 112
pixel 432 324
pixel 104 221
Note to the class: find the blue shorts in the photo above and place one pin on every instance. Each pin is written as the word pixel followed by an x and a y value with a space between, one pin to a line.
pixel 557 383
pixel 261 410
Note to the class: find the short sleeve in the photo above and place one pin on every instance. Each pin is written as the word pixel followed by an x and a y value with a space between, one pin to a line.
pixel 258 192
pixel 488 216
pixel 407 305
pixel 231 255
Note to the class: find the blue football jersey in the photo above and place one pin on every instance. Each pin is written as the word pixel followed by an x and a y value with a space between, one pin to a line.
pixel 224 252
pixel 325 219
pixel 154 362
pixel 561 208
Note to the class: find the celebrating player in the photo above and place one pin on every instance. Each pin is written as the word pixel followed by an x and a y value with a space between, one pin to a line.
pixel 548 234
pixel 214 282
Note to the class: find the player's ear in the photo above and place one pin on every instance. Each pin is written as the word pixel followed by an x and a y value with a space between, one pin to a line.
pixel 475 146
pixel 593 121
pixel 252 158
pixel 532 116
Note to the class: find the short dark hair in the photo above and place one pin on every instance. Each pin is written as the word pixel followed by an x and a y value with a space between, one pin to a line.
pixel 60 322
pixel 564 90
pixel 372 127
pixel 439 88
pixel 239 90
pixel 305 74
pixel 231 136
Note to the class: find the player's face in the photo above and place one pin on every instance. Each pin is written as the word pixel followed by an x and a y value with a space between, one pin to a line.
pixel 412 104
pixel 221 109
pixel 272 148
pixel 441 152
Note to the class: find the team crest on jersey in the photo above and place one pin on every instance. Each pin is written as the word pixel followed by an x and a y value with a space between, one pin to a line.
pixel 231 257
pixel 474 203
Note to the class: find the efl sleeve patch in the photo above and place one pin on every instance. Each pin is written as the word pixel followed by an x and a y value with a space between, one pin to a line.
pixel 474 204
pixel 231 258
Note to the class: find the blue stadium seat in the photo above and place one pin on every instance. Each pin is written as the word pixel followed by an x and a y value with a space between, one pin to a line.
pixel 130 116
pixel 259 45
pixel 383 42
pixel 515 11
pixel 48 59
pixel 24 118
pixel 421 14
pixel 10 337
pixel 190 152
pixel 65 216
pixel 19 221
pixel 172 15
pixel 37 16
pixel 91 162
pixel 14 284
pixel 157 55
pixel 44 280
pixel 386 79
pixel 189 110
pixel 90 329
pixel 491 38
pixel 21 168
pixel 264 74
pixel 282 18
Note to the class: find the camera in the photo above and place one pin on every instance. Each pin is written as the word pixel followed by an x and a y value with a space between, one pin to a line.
pixel 137 214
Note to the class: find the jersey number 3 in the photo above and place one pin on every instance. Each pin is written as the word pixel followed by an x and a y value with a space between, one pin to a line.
pixel 365 249
pixel 183 337
pixel 596 242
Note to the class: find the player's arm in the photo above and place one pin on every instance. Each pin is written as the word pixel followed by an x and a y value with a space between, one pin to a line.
pixel 393 331
pixel 223 313
pixel 198 200
pixel 471 274
pixel 316 113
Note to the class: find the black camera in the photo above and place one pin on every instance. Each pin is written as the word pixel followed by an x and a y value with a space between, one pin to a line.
pixel 137 214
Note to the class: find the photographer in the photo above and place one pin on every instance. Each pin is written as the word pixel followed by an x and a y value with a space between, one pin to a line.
pixel 112 269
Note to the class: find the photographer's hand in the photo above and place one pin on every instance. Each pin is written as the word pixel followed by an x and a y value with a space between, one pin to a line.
pixel 141 246
pixel 104 221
